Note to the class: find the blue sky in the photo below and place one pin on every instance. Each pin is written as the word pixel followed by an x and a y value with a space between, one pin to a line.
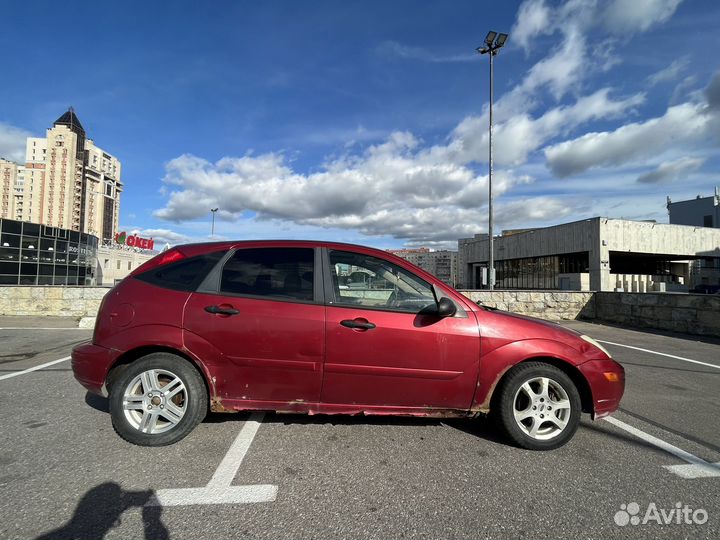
pixel 367 121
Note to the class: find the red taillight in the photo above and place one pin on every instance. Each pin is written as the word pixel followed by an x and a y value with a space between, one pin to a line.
pixel 166 257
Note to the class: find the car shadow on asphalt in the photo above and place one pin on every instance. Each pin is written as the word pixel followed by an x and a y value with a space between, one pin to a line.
pixel 101 509
pixel 481 427
pixel 99 403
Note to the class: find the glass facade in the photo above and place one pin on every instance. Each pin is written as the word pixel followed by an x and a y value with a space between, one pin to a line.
pixel 32 254
pixel 538 272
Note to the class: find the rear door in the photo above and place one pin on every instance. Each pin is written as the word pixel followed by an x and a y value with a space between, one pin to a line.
pixel 260 316
pixel 384 347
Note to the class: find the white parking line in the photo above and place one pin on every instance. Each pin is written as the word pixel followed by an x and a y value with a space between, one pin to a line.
pixel 35 368
pixel 696 468
pixel 660 354
pixel 219 490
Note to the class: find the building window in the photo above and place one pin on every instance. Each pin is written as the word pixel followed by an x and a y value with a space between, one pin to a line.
pixel 106 263
pixel 707 221
pixel 129 265
pixel 118 265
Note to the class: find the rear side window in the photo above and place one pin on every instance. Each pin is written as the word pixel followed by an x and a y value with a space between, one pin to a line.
pixel 282 273
pixel 183 275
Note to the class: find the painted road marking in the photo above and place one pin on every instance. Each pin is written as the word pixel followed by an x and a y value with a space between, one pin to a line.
pixel 219 490
pixel 660 354
pixel 696 468
pixel 29 370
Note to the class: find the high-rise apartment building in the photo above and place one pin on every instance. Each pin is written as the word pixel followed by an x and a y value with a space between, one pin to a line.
pixel 67 182
pixel 441 263
pixel 12 178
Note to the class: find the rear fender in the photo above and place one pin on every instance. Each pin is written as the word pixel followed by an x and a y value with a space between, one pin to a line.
pixel 138 341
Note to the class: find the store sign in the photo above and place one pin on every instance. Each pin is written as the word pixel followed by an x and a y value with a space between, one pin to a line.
pixel 134 240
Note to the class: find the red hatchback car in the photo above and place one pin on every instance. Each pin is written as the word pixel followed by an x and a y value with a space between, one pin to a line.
pixel 329 328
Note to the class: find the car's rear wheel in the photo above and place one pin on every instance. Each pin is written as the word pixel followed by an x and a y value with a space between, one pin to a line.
pixel 157 400
pixel 538 407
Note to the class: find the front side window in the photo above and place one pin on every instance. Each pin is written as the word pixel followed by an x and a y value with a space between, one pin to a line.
pixel 363 280
pixel 277 273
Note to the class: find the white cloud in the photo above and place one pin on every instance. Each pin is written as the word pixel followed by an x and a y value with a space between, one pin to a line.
pixel 397 188
pixel 12 142
pixel 669 73
pixel 712 92
pixel 393 49
pixel 533 19
pixel 681 124
pixel 160 236
pixel 622 16
pixel 390 189
pixel 671 170
pixel 522 134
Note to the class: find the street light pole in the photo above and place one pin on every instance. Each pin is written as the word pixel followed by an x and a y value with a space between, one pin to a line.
pixel 493 42
pixel 213 210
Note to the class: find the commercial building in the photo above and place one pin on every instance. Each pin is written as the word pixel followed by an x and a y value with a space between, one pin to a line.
pixel 598 254
pixel 440 263
pixel 699 212
pixel 33 254
pixel 117 258
pixel 67 182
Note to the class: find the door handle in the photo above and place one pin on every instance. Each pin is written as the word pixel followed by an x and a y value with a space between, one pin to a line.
pixel 357 324
pixel 217 310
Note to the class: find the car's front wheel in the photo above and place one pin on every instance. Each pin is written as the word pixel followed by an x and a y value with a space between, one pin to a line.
pixel 157 400
pixel 538 407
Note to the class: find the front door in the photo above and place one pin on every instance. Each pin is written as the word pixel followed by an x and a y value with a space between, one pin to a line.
pixel 263 329
pixel 383 349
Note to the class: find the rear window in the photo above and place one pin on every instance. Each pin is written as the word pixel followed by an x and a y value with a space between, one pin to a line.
pixel 183 275
pixel 282 273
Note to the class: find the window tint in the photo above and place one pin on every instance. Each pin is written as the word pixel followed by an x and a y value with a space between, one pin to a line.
pixel 274 272
pixel 184 275
pixel 362 280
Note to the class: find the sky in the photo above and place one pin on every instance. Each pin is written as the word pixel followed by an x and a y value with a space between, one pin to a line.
pixel 367 121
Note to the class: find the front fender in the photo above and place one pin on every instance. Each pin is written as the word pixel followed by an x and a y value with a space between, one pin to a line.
pixel 497 362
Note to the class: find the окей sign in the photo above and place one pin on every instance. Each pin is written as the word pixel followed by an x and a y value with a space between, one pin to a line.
pixel 134 240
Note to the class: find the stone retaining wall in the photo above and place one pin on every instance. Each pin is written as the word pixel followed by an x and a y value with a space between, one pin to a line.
pixel 688 313
pixel 549 305
pixel 51 301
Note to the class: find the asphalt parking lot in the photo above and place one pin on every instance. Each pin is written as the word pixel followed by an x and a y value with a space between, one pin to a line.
pixel 64 473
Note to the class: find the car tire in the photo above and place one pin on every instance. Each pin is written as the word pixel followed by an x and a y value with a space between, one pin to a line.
pixel 157 400
pixel 538 406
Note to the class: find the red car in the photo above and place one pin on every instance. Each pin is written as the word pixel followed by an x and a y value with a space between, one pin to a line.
pixel 279 326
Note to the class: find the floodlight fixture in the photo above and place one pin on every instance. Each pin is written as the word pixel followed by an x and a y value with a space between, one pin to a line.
pixel 490 38
pixel 500 41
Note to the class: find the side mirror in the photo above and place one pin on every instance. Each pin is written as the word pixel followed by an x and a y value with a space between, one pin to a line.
pixel 446 307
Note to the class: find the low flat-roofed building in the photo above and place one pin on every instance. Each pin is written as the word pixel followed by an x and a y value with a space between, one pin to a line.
pixel 34 254
pixel 120 256
pixel 700 211
pixel 597 254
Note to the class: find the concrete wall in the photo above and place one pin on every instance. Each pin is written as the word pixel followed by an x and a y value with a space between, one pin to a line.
pixel 51 301
pixel 689 313
pixel 550 305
